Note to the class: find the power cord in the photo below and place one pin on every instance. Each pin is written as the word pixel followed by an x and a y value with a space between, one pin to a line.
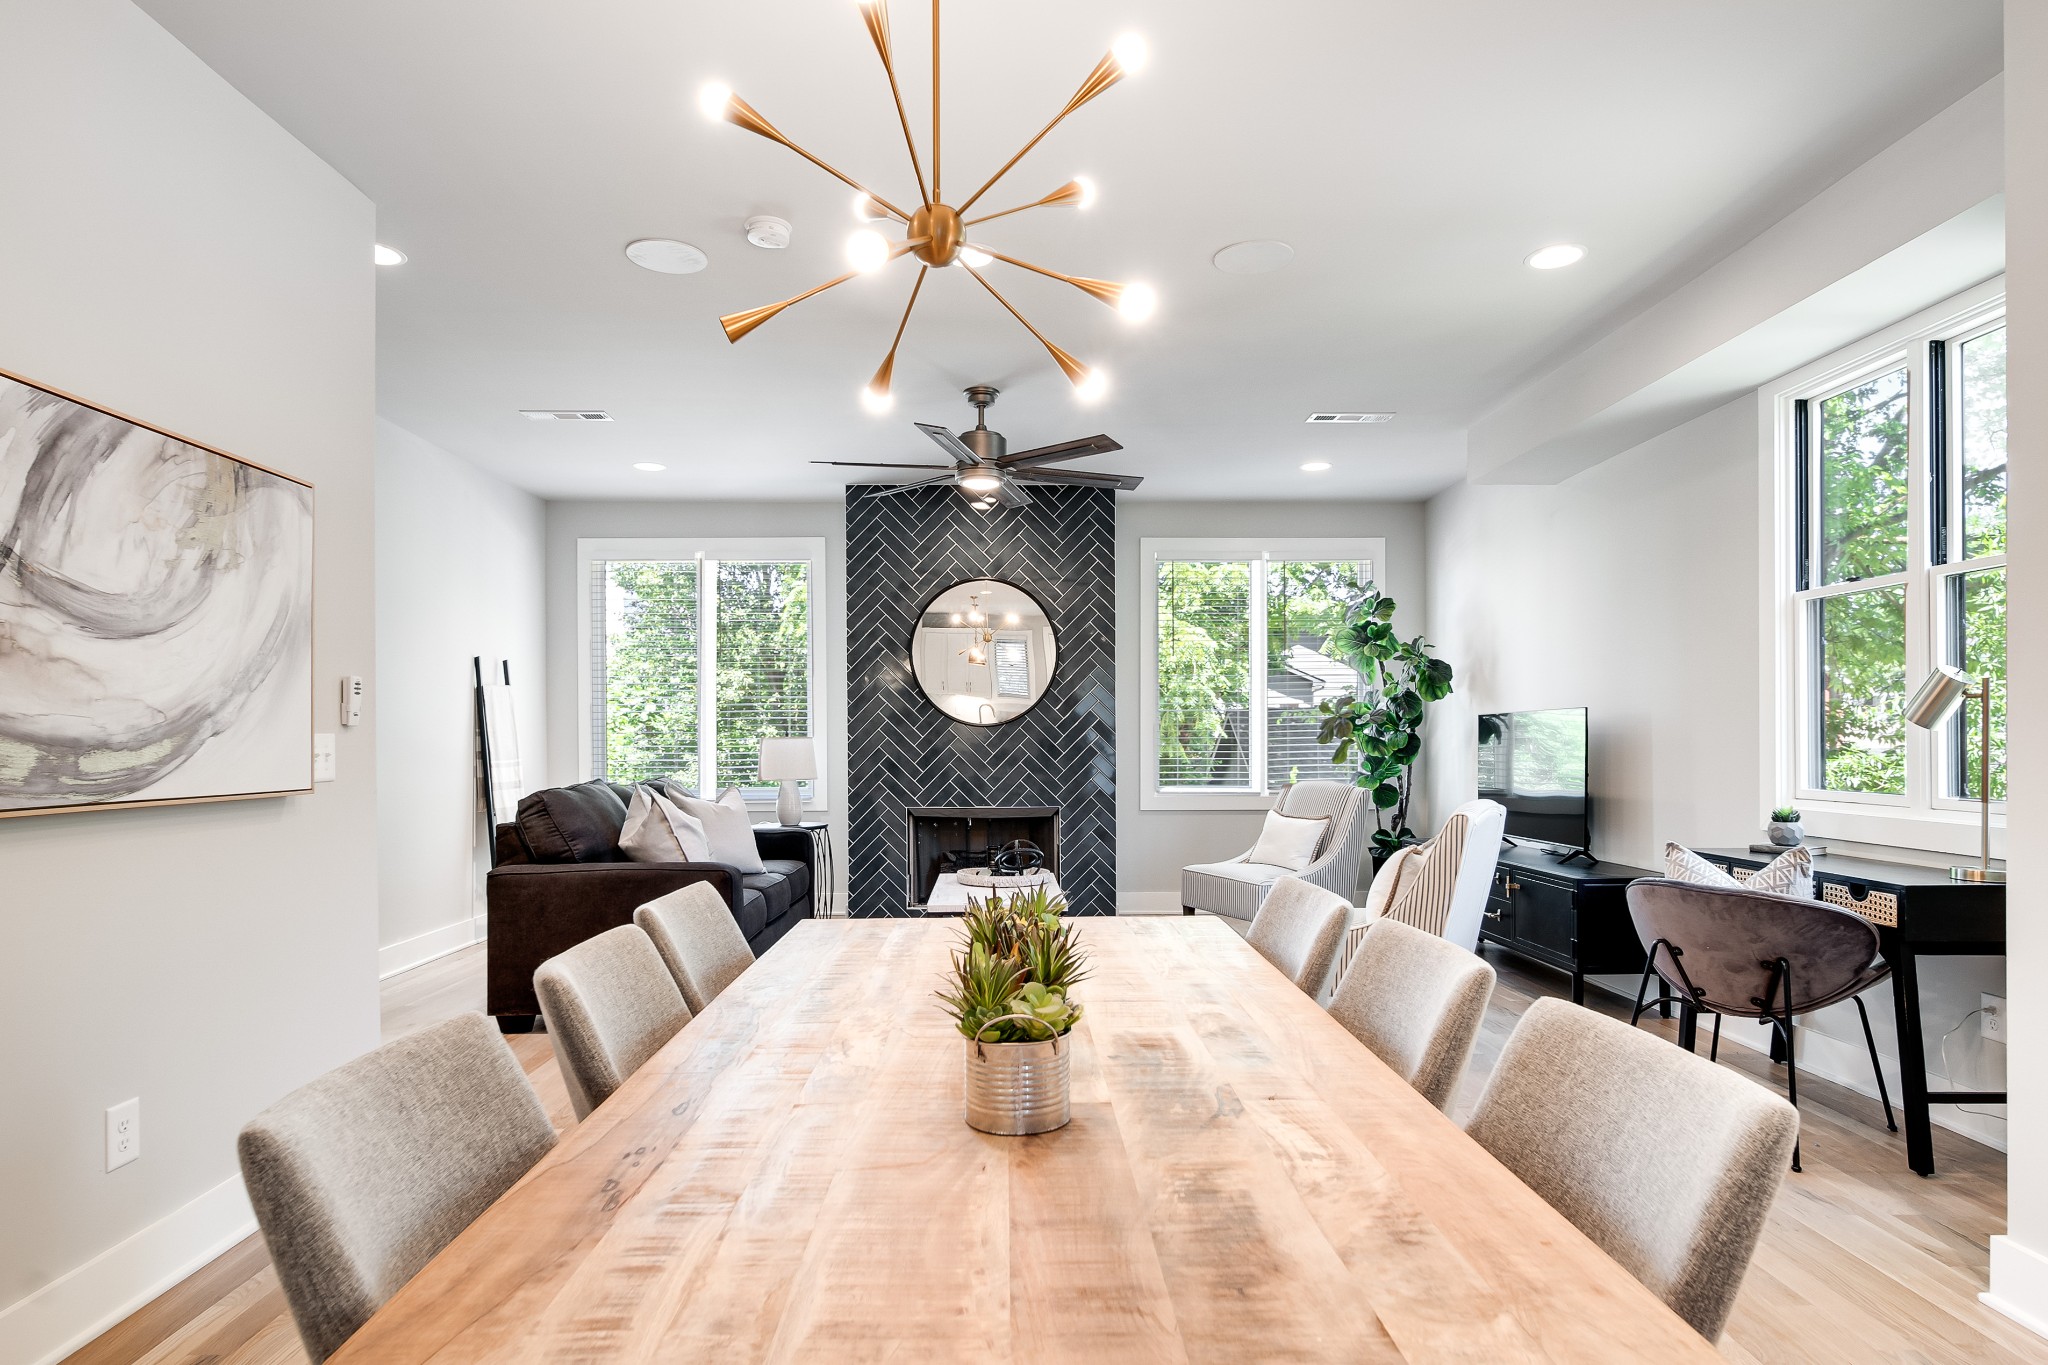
pixel 1949 1072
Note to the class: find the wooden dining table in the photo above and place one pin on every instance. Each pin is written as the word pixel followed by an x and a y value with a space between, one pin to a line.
pixel 791 1179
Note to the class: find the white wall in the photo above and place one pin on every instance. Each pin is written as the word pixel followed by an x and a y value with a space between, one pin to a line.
pixel 1154 845
pixel 459 574
pixel 170 252
pixel 1632 590
pixel 2019 1261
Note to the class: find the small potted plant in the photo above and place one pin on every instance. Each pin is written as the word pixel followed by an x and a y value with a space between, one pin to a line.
pixel 1785 830
pixel 1009 993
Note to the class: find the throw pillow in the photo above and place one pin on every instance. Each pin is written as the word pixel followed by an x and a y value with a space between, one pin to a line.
pixel 1789 874
pixel 729 829
pixel 1288 842
pixel 1392 879
pixel 657 832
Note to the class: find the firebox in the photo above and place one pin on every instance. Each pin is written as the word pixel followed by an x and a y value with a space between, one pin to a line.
pixel 948 839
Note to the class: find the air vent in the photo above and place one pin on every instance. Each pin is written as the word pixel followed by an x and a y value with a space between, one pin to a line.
pixel 570 415
pixel 1351 417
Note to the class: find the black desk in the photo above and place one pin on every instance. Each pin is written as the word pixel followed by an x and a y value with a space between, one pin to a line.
pixel 1919 912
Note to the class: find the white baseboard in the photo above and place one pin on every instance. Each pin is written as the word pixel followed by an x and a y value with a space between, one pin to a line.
pixel 2019 1284
pixel 75 1307
pixel 406 954
pixel 1148 902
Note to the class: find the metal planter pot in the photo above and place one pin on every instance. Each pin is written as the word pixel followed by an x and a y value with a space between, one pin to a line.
pixel 1014 1089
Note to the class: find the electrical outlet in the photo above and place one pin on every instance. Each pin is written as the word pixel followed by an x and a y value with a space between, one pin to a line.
pixel 1993 1018
pixel 323 758
pixel 124 1133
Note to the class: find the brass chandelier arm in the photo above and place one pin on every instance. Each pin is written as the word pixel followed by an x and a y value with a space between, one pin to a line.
pixel 1072 368
pixel 915 289
pixel 1103 290
pixel 935 102
pixel 1107 72
pixel 876 15
pixel 737 325
pixel 746 116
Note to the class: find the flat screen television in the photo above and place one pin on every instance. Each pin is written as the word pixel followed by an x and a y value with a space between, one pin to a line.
pixel 1534 763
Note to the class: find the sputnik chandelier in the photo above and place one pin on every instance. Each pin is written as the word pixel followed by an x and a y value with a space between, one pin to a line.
pixel 936 232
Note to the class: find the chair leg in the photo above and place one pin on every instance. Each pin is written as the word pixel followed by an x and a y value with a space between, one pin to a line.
pixel 1642 989
pixel 1714 1051
pixel 1876 1070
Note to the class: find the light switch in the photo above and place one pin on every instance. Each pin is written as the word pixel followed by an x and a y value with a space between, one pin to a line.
pixel 323 758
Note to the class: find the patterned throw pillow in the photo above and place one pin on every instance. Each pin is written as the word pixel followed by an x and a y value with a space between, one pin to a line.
pixel 1789 874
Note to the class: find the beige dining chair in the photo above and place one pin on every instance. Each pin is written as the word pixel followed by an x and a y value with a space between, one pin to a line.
pixel 1666 1160
pixel 1297 929
pixel 360 1177
pixel 610 1004
pixel 698 939
pixel 1417 1001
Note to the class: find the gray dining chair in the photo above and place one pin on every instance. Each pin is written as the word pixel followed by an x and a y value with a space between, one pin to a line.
pixel 1756 955
pixel 610 1004
pixel 360 1177
pixel 1665 1160
pixel 1417 1001
pixel 1297 930
pixel 698 939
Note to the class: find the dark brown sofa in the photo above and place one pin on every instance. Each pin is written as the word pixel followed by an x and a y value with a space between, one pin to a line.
pixel 560 879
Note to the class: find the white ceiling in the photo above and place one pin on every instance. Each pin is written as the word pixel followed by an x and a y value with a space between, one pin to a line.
pixel 1412 153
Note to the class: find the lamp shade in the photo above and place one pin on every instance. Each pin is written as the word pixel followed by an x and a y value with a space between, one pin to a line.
pixel 788 760
pixel 1938 697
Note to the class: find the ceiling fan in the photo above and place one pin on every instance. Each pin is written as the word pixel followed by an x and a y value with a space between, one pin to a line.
pixel 987 474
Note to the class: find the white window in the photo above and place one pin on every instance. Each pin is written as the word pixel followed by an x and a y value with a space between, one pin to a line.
pixel 697 651
pixel 1887 540
pixel 1237 660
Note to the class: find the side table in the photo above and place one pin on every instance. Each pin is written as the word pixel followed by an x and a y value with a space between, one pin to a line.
pixel 824 881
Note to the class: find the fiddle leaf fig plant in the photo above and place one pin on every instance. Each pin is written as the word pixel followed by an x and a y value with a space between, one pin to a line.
pixel 1381 720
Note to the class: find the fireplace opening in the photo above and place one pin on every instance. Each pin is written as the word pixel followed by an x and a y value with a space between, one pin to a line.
pixel 946 840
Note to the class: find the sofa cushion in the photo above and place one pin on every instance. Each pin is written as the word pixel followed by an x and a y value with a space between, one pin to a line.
pixel 1234 889
pixel 783 884
pixel 578 824
pixel 752 913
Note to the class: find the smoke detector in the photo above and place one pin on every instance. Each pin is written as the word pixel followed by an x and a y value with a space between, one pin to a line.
pixel 770 234
pixel 1329 417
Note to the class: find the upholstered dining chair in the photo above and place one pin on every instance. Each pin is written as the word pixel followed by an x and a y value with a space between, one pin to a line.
pixel 1756 955
pixel 610 1004
pixel 1665 1160
pixel 1297 930
pixel 1236 887
pixel 697 938
pixel 360 1177
pixel 1417 1001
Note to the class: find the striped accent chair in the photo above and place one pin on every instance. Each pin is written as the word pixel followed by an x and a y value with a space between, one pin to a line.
pixel 1237 887
pixel 1440 887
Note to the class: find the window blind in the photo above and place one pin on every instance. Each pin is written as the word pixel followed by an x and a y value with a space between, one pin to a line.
pixel 645 671
pixel 763 661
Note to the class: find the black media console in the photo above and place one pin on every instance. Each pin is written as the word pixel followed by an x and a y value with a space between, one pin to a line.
pixel 1564 915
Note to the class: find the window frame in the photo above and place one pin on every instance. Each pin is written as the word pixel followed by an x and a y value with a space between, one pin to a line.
pixel 1257 551
pixel 808 550
pixel 1921 817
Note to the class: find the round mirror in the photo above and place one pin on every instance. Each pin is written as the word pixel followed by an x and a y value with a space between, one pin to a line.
pixel 983 652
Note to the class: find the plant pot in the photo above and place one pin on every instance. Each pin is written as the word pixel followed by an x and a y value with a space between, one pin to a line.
pixel 1014 1089
pixel 1787 833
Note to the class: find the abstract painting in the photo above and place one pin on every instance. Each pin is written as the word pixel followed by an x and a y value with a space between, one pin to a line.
pixel 156 614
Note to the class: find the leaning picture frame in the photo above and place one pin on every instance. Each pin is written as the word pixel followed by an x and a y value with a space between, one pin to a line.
pixel 156 614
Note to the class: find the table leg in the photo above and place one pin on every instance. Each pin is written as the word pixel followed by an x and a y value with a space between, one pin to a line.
pixel 1912 1058
pixel 1578 988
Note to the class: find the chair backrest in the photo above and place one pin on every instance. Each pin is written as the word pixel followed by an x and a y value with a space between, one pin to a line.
pixel 1484 821
pixel 1418 1002
pixel 359 1177
pixel 610 1005
pixel 1728 938
pixel 698 939
pixel 1443 885
pixel 1297 929
pixel 1342 849
pixel 1666 1160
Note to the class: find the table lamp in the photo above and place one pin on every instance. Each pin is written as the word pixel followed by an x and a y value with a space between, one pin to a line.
pixel 789 761
pixel 1946 689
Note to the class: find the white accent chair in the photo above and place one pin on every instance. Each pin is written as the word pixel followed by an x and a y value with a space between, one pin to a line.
pixel 1408 873
pixel 1237 887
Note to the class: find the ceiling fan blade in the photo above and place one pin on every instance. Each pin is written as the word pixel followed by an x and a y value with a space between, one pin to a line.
pixel 876 464
pixel 906 487
pixel 1065 450
pixel 1076 478
pixel 948 442
pixel 1012 495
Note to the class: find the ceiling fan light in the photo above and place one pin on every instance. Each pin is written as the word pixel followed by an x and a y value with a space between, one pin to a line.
pixel 1137 302
pixel 981 482
pixel 714 100
pixel 867 251
pixel 1131 52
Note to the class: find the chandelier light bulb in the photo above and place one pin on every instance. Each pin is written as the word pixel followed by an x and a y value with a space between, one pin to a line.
pixel 956 618
pixel 866 210
pixel 1131 53
pixel 1093 385
pixel 980 483
pixel 877 401
pixel 974 257
pixel 714 99
pixel 867 251
pixel 1138 302
pixel 1087 191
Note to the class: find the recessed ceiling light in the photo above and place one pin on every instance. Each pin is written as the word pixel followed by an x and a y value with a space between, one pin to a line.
pixel 387 255
pixel 1253 258
pixel 647 467
pixel 665 256
pixel 1325 418
pixel 1557 257
pixel 1315 466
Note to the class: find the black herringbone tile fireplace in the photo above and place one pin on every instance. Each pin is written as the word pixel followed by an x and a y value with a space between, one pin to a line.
pixel 903 753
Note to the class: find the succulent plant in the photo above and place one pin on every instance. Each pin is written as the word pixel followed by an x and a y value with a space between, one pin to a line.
pixel 1785 815
pixel 1017 957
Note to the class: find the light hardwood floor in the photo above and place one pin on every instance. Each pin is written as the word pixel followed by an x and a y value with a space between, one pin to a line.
pixel 1862 1260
